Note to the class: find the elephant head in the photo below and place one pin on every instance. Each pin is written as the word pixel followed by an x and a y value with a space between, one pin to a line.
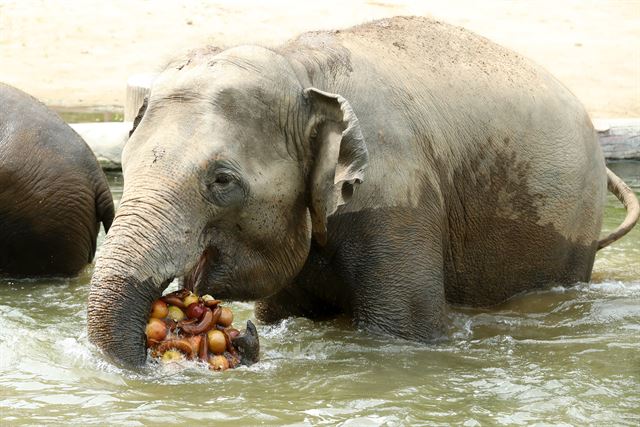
pixel 231 171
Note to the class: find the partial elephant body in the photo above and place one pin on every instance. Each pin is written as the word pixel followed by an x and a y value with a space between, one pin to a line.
pixel 428 164
pixel 477 153
pixel 53 194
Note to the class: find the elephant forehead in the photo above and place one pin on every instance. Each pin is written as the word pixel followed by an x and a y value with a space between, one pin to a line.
pixel 194 134
pixel 247 80
pixel 237 99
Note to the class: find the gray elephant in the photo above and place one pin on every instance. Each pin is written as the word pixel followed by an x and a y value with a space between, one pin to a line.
pixel 53 193
pixel 381 172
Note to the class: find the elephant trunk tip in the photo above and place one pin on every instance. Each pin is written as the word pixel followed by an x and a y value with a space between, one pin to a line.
pixel 248 345
pixel 117 313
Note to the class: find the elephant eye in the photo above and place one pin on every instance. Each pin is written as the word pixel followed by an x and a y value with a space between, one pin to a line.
pixel 223 179
pixel 225 189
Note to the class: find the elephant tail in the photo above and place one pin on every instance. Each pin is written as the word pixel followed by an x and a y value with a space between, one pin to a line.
pixel 630 202
pixel 104 207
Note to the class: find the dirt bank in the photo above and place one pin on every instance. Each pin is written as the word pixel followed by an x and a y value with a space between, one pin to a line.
pixel 79 53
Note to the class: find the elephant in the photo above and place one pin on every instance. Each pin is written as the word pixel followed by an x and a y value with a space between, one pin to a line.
pixel 382 172
pixel 53 193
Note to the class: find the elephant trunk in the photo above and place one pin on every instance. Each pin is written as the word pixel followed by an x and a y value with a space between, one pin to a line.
pixel 143 252
pixel 117 310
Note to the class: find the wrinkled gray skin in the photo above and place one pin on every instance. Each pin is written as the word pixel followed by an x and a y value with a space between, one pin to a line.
pixel 380 171
pixel 53 193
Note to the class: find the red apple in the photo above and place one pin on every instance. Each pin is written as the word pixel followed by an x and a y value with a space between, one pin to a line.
pixel 195 310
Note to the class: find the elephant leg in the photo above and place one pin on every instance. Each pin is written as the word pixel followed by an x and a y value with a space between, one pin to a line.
pixel 314 293
pixel 395 272
pixel 291 301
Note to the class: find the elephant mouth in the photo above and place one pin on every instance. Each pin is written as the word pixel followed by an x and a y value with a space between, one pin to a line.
pixel 196 277
pixel 247 343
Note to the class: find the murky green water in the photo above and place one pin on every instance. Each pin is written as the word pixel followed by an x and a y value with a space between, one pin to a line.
pixel 89 114
pixel 560 356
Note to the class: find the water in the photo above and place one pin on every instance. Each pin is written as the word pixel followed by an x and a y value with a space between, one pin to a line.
pixel 89 114
pixel 559 356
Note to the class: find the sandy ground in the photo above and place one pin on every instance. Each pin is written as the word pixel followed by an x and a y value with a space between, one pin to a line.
pixel 80 53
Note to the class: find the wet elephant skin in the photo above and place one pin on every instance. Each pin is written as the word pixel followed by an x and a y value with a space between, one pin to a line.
pixel 378 172
pixel 53 193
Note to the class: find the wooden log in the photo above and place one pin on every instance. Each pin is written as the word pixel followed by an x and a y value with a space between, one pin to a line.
pixel 619 138
pixel 138 87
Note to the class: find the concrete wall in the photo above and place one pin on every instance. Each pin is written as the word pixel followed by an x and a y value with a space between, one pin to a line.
pixel 106 140
pixel 619 138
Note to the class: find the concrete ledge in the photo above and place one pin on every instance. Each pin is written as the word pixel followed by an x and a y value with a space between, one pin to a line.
pixel 619 138
pixel 106 140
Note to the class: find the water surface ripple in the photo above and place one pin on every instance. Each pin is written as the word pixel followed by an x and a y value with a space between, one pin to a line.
pixel 561 356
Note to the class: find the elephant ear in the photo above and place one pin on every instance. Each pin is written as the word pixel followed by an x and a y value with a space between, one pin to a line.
pixel 339 157
pixel 141 111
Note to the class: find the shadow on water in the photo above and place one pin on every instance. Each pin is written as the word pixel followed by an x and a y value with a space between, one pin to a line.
pixel 560 355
